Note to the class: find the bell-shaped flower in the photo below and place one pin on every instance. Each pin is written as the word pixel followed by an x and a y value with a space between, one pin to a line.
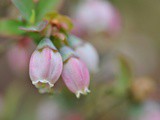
pixel 45 66
pixel 75 73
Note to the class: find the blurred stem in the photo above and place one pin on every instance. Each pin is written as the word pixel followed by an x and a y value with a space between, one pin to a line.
pixel 49 31
pixel 123 80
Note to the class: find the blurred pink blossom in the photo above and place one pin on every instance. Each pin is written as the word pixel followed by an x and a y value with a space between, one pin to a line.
pixel 150 111
pixel 18 55
pixel 96 16
pixel 49 109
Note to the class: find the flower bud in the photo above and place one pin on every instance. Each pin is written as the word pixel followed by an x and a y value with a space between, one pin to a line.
pixel 45 66
pixel 86 52
pixel 75 74
pixel 101 16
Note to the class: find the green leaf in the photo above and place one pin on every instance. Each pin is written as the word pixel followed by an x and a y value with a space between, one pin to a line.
pixel 32 18
pixel 25 7
pixel 37 28
pixel 45 6
pixel 10 27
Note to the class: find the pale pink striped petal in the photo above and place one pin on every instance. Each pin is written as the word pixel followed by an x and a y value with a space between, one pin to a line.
pixel 76 76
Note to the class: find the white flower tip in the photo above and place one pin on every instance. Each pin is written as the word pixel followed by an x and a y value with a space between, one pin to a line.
pixel 44 86
pixel 84 92
pixel 42 82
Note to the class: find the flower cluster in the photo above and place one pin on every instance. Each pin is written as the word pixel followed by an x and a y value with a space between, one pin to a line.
pixel 72 59
pixel 58 53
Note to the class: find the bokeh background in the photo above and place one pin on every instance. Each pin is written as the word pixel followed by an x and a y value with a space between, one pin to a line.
pixel 126 87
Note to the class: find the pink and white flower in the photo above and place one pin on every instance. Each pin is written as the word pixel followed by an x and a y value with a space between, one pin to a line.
pixel 45 66
pixel 75 74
